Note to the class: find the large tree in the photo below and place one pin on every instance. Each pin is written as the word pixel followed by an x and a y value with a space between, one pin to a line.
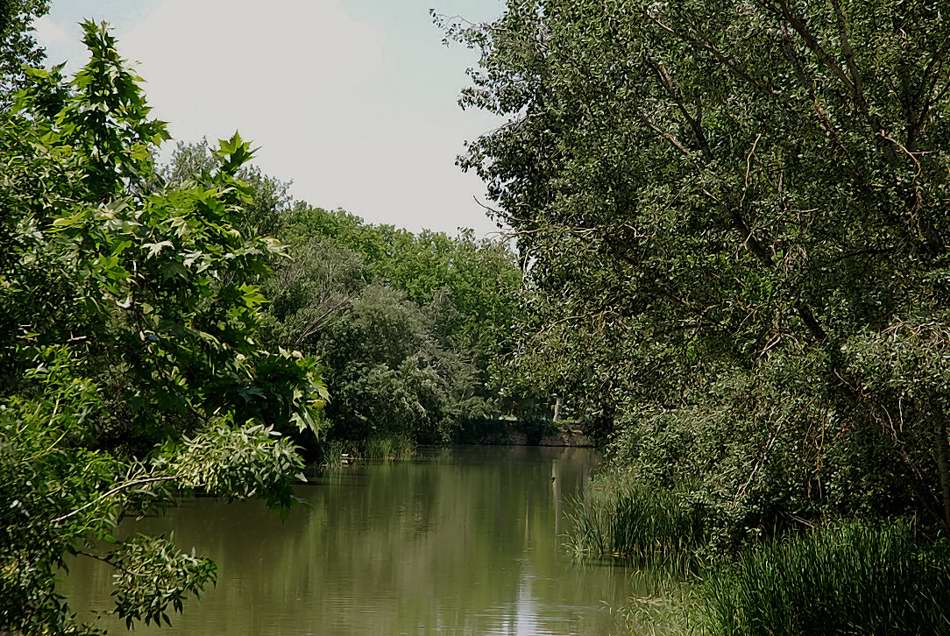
pixel 131 361
pixel 408 325
pixel 736 216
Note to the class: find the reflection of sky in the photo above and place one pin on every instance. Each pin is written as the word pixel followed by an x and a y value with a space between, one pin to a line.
pixel 545 618
pixel 526 611
pixel 529 616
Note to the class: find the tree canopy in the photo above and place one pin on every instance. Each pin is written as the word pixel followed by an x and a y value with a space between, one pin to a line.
pixel 735 215
pixel 18 46
pixel 132 366
pixel 410 327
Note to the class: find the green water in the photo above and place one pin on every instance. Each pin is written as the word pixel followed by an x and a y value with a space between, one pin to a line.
pixel 461 541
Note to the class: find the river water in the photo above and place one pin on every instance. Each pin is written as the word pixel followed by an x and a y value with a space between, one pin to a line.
pixel 458 541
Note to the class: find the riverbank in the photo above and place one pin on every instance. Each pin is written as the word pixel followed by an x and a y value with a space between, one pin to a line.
pixel 481 432
pixel 841 577
pixel 522 432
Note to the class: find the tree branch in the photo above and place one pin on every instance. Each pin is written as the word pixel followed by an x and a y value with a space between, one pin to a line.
pixel 849 54
pixel 112 492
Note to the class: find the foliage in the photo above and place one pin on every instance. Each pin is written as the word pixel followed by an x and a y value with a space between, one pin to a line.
pixel 18 46
pixel 146 586
pixel 468 286
pixel 735 224
pixel 390 376
pixel 268 198
pixel 131 361
pixel 407 326
pixel 853 579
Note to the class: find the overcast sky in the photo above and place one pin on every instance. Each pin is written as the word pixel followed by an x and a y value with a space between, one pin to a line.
pixel 352 100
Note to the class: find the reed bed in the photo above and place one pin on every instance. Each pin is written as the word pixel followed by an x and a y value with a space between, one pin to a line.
pixel 849 579
pixel 388 448
pixel 636 524
pixel 845 579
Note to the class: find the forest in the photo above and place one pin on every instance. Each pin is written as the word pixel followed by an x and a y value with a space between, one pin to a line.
pixel 724 246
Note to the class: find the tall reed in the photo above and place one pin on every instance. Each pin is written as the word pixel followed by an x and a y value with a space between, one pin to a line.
pixel 849 579
pixel 388 448
pixel 635 523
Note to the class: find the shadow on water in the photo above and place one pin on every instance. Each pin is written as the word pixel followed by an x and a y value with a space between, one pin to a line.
pixel 458 541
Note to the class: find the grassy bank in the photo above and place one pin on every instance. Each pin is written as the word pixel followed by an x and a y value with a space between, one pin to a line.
pixel 852 579
pixel 846 579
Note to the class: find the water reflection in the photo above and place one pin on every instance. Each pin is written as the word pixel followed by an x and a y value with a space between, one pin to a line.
pixel 463 541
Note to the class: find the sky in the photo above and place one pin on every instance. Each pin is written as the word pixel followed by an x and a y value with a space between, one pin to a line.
pixel 354 101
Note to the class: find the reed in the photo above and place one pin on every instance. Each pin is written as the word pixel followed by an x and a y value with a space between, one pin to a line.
pixel 662 603
pixel 334 455
pixel 848 579
pixel 637 524
pixel 388 448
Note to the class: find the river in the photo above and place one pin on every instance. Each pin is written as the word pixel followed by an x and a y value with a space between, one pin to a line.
pixel 459 541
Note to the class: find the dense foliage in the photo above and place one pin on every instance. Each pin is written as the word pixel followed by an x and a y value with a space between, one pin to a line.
pixel 131 358
pixel 736 218
pixel 267 199
pixel 408 326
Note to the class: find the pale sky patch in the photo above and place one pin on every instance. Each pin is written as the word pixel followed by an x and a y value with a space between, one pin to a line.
pixel 51 33
pixel 353 100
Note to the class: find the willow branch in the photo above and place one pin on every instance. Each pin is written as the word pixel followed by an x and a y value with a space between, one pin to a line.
pixel 112 492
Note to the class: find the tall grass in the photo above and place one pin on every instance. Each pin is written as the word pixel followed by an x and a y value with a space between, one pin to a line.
pixel 635 523
pixel 388 448
pixel 338 453
pixel 332 456
pixel 851 579
pixel 662 604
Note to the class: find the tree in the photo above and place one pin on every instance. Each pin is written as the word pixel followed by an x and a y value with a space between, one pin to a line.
pixel 395 369
pixel 269 197
pixel 390 375
pixel 732 212
pixel 18 46
pixel 130 346
pixel 444 304
pixel 468 287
